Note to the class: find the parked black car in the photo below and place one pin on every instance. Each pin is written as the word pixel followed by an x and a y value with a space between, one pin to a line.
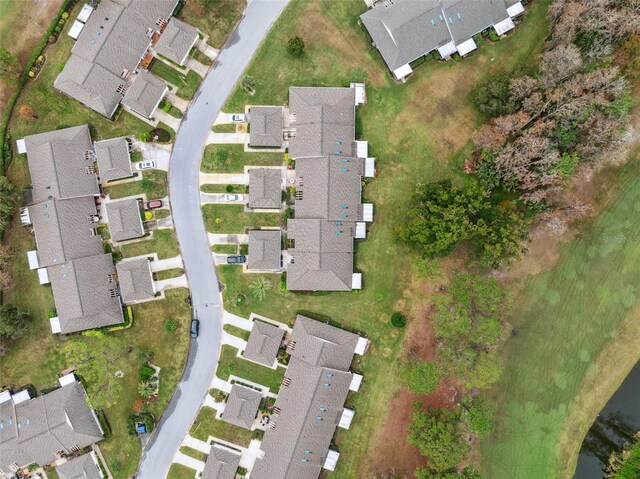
pixel 236 259
pixel 195 328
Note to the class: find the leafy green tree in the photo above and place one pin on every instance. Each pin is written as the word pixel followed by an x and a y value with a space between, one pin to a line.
pixel 493 97
pixel 467 473
pixel 421 377
pixel 438 435
pixel 8 200
pixel 295 47
pixel 13 322
pixel 444 215
pixel 260 287
pixel 9 67
pixel 477 415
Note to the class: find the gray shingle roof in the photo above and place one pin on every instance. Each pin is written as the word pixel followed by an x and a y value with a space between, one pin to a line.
pixel 406 30
pixel 111 44
pixel 310 405
pixel 265 126
pixel 63 230
pixel 468 17
pixel 58 164
pixel 221 464
pixel 242 406
pixel 85 293
pixel 83 467
pixel 145 93
pixel 176 41
pixel 265 250
pixel 323 119
pixel 264 342
pixel 321 344
pixel 114 160
pixel 36 430
pixel 265 188
pixel 124 219
pixel 135 279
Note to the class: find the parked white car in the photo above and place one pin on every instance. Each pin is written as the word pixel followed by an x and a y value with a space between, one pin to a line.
pixel 238 118
pixel 233 197
pixel 145 165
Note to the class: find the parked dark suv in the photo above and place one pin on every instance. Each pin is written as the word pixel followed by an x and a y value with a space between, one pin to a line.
pixel 236 259
pixel 195 327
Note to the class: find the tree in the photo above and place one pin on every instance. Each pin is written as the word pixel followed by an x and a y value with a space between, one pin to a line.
pixel 493 97
pixel 8 200
pixel 467 473
pixel 13 322
pixel 248 84
pixel 295 47
pixel 9 67
pixel 260 287
pixel 438 436
pixel 147 388
pixel 443 215
pixel 421 377
pixel 477 415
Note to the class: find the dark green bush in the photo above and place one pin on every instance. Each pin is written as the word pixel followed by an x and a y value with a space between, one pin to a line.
pixel 398 320
pixel 146 372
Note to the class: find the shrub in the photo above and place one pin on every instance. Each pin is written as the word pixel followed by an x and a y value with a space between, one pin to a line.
pixel 145 136
pixel 170 325
pixel 148 215
pixel 146 372
pixel 229 188
pixel 421 377
pixel 160 135
pixel 166 107
pixel 398 320
pixel 295 47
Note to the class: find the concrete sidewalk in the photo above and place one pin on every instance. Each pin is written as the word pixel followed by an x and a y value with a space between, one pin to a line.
pixel 180 103
pixel 224 178
pixel 171 283
pixel 217 238
pixel 164 264
pixel 167 119
pixel 234 341
pixel 237 321
pixel 227 138
pixel 189 461
pixel 196 444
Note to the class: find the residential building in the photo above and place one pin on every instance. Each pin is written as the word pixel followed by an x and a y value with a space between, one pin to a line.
pixel 125 221
pixel 265 188
pixel 83 467
pixel 145 94
pixel 42 429
pixel 176 41
pixel 61 164
pixel 266 125
pixel 405 30
pixel 242 406
pixel 136 280
pixel 310 403
pixel 222 463
pixel 85 294
pixel 114 159
pixel 109 51
pixel 265 250
pixel 263 344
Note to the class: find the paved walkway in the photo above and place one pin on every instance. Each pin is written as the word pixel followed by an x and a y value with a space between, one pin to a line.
pixel 218 238
pixel 219 258
pixel 224 178
pixel 234 341
pixel 220 384
pixel 227 138
pixel 196 444
pixel 197 67
pixel 167 119
pixel 171 283
pixel 164 264
pixel 180 103
pixel 208 50
pixel 189 461
pixel 237 321
pixel 250 454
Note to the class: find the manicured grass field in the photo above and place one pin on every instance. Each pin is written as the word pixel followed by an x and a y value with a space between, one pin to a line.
pixel 565 318
pixel 187 84
pixel 201 456
pixel 221 218
pixel 217 19
pixel 178 471
pixel 163 242
pixel 419 130
pixel 207 425
pixel 224 128
pixel 209 188
pixel 232 158
pixel 168 273
pixel 241 333
pixel 231 364
pixel 155 186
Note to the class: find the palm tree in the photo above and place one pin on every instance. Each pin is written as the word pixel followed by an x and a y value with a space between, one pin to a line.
pixel 260 287
pixel 146 389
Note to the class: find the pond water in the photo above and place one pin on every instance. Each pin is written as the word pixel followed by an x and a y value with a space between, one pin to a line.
pixel 616 423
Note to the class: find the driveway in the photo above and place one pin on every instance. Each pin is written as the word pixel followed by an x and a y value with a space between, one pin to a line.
pixel 222 238
pixel 192 236
pixel 206 198
pixel 224 178
pixel 228 138
pixel 155 152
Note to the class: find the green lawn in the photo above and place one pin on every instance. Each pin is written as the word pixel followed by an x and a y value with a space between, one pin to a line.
pixel 209 188
pixel 198 56
pixel 201 456
pixel 168 273
pixel 216 19
pixel 224 128
pixel 565 318
pixel 187 84
pixel 225 248
pixel 155 186
pixel 207 425
pixel 163 242
pixel 233 218
pixel 241 333
pixel 231 364
pixel 178 471
pixel 419 130
pixel 233 158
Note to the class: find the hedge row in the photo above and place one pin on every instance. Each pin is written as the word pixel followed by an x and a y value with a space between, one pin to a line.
pixel 24 77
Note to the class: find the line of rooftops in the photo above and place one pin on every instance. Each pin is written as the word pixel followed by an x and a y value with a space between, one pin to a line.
pixel 64 206
pixel 115 41
pixel 300 426
pixel 318 128
pixel 48 429
pixel 406 30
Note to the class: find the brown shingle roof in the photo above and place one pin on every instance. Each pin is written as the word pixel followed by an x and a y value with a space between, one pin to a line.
pixel 83 467
pixel 264 342
pixel 176 41
pixel 242 406
pixel 124 219
pixel 221 463
pixel 114 159
pixel 265 188
pixel 135 280
pixel 265 126
pixel 144 95
pixel 265 250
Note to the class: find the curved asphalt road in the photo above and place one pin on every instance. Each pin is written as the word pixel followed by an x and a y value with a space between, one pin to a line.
pixel 184 167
